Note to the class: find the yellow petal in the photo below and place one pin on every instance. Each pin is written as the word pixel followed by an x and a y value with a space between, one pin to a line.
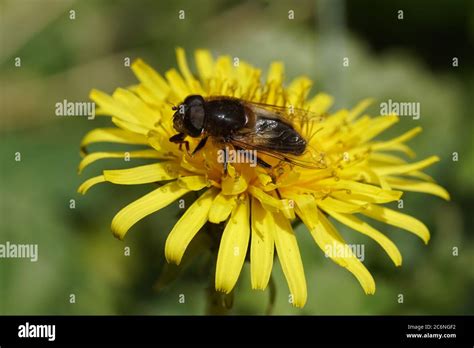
pixel 297 91
pixel 365 173
pixel 275 73
pixel 148 96
pixel 379 158
pixel 95 156
pixel 143 174
pixel 135 127
pixel 183 64
pixel 274 80
pixel 406 168
pixel 187 226
pixel 204 64
pixel 86 185
pixel 354 189
pixel 223 67
pixel 321 103
pixel 233 186
pixel 129 101
pixel 384 145
pixel 287 208
pixel 376 126
pixel 113 135
pixel 271 203
pixel 154 82
pixel 193 84
pixel 177 84
pixel 420 175
pixel 233 248
pixel 290 259
pixel 262 246
pixel 327 238
pixel 418 186
pixel 365 228
pixel 264 179
pixel 193 182
pixel 397 219
pixel 338 206
pixel 113 107
pixel 221 208
pixel 248 79
pixel 351 262
pixel 403 148
pixel 158 140
pixel 144 206
pixel 358 109
pixel 308 212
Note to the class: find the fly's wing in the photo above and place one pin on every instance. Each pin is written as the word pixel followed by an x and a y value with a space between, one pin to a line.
pixel 276 137
pixel 311 162
pixel 288 113
pixel 305 121
pixel 272 134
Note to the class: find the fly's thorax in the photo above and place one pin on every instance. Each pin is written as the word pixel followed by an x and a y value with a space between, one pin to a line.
pixel 224 116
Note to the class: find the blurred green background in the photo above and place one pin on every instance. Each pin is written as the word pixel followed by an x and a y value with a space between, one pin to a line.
pixel 402 60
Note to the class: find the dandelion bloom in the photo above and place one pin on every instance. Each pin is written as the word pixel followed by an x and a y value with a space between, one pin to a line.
pixel 357 176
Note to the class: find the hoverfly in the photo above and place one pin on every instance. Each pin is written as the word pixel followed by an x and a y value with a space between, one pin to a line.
pixel 246 125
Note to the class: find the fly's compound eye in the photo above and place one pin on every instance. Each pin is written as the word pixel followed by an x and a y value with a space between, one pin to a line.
pixel 194 100
pixel 189 116
pixel 194 119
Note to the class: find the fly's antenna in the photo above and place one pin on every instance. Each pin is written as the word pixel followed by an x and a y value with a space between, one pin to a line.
pixel 314 133
pixel 173 106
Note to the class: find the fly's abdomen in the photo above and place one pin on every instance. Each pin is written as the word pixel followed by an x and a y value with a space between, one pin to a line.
pixel 279 136
pixel 295 143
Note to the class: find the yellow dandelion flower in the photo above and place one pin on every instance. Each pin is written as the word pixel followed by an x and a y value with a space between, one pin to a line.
pixel 357 176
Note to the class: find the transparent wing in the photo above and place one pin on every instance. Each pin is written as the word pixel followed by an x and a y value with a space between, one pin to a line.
pixel 306 122
pixel 309 160
pixel 287 113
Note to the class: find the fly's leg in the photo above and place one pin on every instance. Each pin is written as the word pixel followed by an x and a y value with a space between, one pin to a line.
pixel 200 145
pixel 263 164
pixel 179 139
pixel 225 160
